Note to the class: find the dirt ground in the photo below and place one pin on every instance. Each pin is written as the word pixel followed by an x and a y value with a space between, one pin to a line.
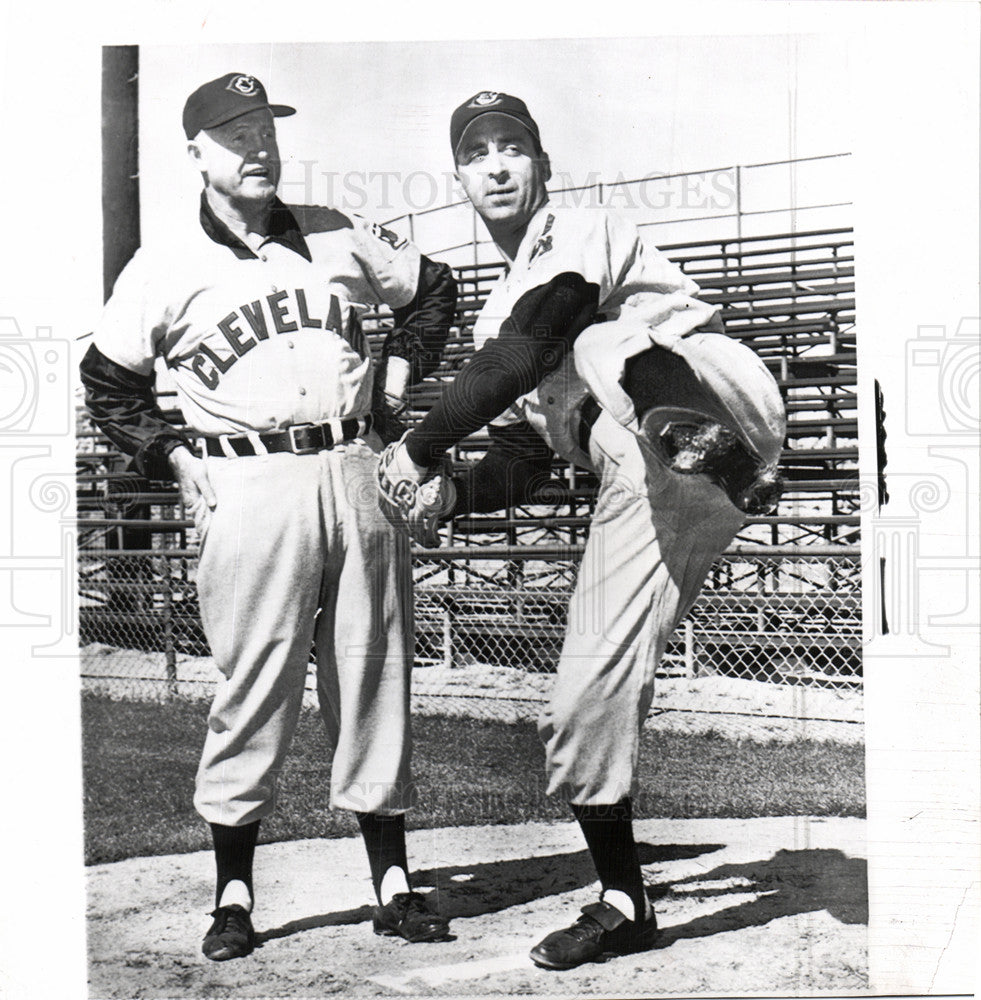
pixel 775 905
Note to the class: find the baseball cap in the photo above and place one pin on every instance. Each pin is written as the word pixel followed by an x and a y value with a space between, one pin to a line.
pixel 228 97
pixel 485 103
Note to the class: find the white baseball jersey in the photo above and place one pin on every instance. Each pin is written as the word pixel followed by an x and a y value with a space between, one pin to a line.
pixel 257 342
pixel 607 251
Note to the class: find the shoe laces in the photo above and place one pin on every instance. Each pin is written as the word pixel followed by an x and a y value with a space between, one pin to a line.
pixel 236 916
pixel 414 903
pixel 585 928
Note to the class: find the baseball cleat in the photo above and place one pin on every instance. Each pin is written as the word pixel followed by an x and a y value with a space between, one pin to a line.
pixel 230 936
pixel 696 447
pixel 408 915
pixel 705 447
pixel 601 930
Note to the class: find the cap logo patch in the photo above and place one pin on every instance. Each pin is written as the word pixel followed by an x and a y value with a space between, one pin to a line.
pixel 485 99
pixel 244 85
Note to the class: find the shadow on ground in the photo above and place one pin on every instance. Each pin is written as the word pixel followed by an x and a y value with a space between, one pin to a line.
pixel 790 882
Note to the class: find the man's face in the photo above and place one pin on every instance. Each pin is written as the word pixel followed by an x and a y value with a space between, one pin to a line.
pixel 240 159
pixel 501 170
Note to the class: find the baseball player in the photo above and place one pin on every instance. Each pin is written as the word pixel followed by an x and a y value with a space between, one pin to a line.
pixel 257 318
pixel 594 346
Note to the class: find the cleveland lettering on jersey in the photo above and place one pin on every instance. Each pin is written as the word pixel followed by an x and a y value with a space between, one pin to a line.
pixel 284 311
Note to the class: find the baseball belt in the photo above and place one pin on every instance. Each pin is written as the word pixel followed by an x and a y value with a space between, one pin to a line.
pixel 300 439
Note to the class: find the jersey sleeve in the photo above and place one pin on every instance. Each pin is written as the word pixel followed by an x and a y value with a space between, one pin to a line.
pixel 596 244
pixel 422 325
pixel 515 470
pixel 534 340
pixel 610 253
pixel 118 370
pixel 391 264
pixel 134 319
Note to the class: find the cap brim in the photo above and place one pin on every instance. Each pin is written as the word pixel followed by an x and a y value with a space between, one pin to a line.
pixel 278 111
pixel 502 114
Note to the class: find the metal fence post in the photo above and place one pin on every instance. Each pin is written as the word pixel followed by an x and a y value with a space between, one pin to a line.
pixel 447 638
pixel 690 669
pixel 474 214
pixel 739 207
pixel 170 651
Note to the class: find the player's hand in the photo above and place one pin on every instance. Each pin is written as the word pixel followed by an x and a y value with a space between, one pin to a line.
pixel 197 494
pixel 413 497
pixel 387 418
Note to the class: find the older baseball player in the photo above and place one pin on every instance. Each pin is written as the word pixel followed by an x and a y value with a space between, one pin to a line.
pixel 593 345
pixel 257 318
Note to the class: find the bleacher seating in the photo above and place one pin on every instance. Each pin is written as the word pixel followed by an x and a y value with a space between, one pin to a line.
pixel 790 296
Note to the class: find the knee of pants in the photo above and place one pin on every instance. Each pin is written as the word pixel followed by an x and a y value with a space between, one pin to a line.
pixel 568 717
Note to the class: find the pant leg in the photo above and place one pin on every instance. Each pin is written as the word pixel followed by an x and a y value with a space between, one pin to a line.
pixel 258 583
pixel 365 640
pixel 653 539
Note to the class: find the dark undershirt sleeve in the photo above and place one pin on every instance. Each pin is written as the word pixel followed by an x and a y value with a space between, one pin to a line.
pixel 123 406
pixel 516 467
pixel 533 341
pixel 423 324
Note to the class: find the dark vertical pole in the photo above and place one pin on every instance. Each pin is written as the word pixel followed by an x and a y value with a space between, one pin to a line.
pixel 120 240
pixel 120 161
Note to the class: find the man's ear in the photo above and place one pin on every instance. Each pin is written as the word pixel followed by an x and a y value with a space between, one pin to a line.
pixel 195 154
pixel 546 167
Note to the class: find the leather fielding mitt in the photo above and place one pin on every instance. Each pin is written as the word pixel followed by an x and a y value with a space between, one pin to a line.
pixel 419 505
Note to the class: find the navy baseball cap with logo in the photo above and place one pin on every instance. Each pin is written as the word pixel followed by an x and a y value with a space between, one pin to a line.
pixel 228 97
pixel 489 102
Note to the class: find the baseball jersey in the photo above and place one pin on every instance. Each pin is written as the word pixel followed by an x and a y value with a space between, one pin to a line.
pixel 607 251
pixel 260 341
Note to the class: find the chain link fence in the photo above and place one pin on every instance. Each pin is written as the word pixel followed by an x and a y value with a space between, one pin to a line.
pixel 769 650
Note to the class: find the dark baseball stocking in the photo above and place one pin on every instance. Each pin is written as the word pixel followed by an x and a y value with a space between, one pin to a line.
pixel 609 834
pixel 234 851
pixel 384 840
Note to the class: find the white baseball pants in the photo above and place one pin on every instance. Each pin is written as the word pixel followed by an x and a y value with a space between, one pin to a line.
pixel 654 537
pixel 293 535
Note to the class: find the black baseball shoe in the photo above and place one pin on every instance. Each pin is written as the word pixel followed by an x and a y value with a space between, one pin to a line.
pixel 230 936
pixel 602 929
pixel 408 916
pixel 694 447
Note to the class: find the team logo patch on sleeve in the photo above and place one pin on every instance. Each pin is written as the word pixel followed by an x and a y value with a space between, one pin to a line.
pixel 244 85
pixel 544 242
pixel 387 236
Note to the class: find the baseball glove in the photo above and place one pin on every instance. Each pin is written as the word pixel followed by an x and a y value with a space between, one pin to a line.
pixel 419 506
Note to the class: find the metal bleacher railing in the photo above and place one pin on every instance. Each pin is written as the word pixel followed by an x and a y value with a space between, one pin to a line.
pixel 782 607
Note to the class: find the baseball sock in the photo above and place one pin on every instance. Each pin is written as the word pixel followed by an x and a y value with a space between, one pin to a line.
pixel 384 840
pixel 609 834
pixel 234 851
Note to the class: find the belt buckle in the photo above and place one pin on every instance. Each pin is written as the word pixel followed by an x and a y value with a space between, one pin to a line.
pixel 310 449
